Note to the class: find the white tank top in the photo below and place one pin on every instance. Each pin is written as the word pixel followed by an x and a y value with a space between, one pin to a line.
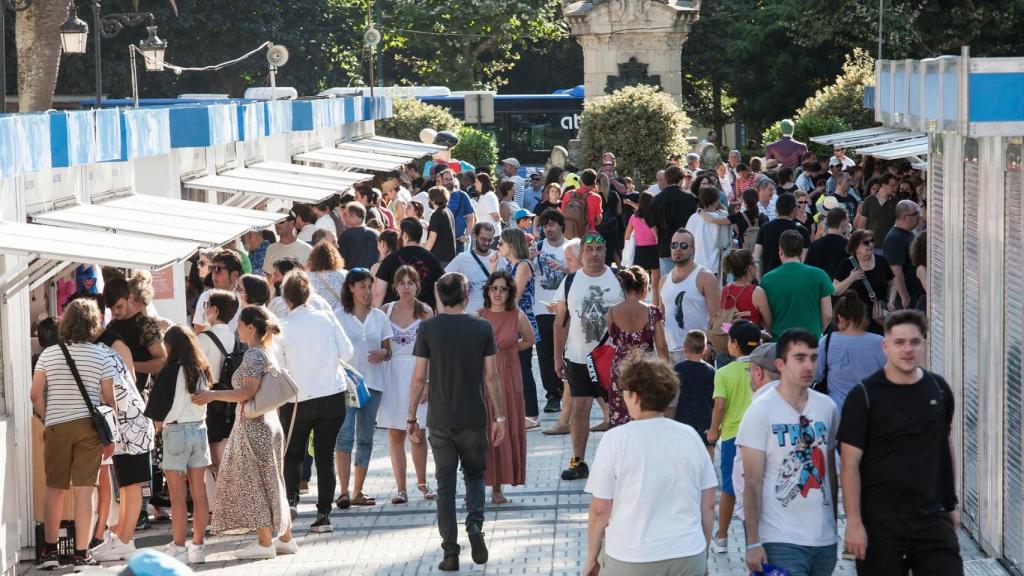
pixel 685 308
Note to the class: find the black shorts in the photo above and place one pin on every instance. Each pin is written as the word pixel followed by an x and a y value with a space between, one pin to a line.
pixel 646 257
pixel 925 545
pixel 132 469
pixel 580 384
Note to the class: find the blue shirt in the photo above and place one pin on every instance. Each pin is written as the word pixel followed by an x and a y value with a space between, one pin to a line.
pixel 850 360
pixel 460 206
pixel 531 197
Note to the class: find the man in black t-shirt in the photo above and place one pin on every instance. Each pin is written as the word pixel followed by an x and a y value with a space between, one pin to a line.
pixel 412 254
pixel 896 249
pixel 669 212
pixel 829 250
pixel 358 243
pixel 897 453
pixel 461 426
pixel 766 249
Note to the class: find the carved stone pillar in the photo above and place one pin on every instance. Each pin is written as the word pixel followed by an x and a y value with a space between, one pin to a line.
pixel 628 42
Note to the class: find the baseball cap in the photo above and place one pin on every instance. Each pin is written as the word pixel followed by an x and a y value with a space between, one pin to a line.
pixel 746 333
pixel 572 180
pixel 512 162
pixel 522 213
pixel 764 356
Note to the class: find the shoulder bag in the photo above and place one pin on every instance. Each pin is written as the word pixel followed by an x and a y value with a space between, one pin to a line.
pixel 277 388
pixel 877 310
pixel 822 385
pixel 104 421
pixel 599 363
pixel 717 332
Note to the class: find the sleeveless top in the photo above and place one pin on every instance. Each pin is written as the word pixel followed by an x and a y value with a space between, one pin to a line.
pixel 685 308
pixel 526 298
pixel 742 298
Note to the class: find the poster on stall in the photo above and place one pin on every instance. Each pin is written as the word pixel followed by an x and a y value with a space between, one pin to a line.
pixel 163 284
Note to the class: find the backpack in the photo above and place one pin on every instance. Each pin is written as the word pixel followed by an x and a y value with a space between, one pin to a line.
pixel 727 314
pixel 575 213
pixel 230 363
pixel 750 234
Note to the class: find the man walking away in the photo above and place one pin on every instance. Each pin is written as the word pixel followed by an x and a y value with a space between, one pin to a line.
pixel 456 414
pixel 798 295
pixel 899 487
pixel 789 470
pixel 897 251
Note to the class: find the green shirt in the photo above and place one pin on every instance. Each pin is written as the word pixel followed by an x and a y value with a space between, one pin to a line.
pixel 732 382
pixel 794 293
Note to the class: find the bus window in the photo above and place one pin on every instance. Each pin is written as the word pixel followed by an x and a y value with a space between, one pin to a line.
pixel 531 136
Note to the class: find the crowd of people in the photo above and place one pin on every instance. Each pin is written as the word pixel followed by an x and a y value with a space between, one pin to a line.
pixel 762 309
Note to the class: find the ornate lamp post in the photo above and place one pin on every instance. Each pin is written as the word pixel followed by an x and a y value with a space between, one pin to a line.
pixel 13 6
pixel 74 34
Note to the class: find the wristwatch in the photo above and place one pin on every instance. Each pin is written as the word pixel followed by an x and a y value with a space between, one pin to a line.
pixel 499 419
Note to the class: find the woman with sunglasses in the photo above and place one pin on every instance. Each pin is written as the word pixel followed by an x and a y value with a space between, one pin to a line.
pixel 868 274
pixel 803 214
pixel 370 332
pixel 506 463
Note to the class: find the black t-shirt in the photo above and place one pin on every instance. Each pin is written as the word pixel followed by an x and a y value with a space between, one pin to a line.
pixel 139 333
pixel 740 220
pixel 456 397
pixel 428 266
pixel 669 212
pixel 897 250
pixel 417 184
pixel 442 223
pixel 627 210
pixel 768 237
pixel 906 470
pixel 879 277
pixel 848 202
pixel 826 253
pixel 696 385
pixel 359 247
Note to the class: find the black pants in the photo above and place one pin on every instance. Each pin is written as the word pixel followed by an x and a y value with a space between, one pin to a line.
pixel 546 357
pixel 450 447
pixel 529 384
pixel 323 417
pixel 925 545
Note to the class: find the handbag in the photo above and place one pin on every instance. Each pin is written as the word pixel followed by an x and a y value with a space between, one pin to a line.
pixel 629 251
pixel 104 421
pixel 356 392
pixel 599 363
pixel 822 385
pixel 877 311
pixel 717 333
pixel 277 388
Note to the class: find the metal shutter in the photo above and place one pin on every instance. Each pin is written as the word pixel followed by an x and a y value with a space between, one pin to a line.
pixel 1013 456
pixel 937 257
pixel 971 338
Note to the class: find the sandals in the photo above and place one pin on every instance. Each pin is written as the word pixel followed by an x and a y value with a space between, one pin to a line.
pixel 428 494
pixel 401 498
pixel 361 499
pixel 499 500
pixel 343 501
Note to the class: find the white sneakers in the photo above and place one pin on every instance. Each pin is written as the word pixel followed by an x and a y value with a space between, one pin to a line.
pixel 179 553
pixel 719 545
pixel 113 550
pixel 196 553
pixel 256 552
pixel 289 547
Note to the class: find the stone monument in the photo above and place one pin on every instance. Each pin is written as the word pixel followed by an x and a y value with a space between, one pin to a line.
pixel 630 42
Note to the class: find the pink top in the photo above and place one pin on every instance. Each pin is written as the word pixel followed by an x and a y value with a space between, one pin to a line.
pixel 642 232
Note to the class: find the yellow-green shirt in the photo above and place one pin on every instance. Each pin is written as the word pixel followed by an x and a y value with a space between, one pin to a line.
pixel 732 382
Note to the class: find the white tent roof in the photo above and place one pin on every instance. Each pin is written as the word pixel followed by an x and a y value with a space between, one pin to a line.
pixel 358 161
pixel 295 193
pixel 303 170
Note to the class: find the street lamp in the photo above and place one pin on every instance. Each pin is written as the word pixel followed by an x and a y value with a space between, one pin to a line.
pixel 13 6
pixel 74 34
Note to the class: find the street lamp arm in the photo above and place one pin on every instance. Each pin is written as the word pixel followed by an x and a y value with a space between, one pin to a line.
pixel 112 24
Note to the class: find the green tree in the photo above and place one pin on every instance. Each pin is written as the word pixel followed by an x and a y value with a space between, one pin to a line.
pixel 640 124
pixel 477 147
pixel 411 116
pixel 844 98
pixel 706 70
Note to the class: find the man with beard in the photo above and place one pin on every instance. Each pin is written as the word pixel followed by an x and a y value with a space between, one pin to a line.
pixel 690 294
pixel 409 253
pixel 473 265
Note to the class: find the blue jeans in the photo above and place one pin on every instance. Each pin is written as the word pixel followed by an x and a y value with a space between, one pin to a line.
pixel 666 266
pixel 802 560
pixel 358 429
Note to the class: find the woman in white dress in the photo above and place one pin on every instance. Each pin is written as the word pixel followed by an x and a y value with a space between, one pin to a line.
pixel 405 316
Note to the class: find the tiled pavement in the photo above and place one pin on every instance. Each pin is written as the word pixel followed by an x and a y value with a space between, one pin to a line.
pixel 541 531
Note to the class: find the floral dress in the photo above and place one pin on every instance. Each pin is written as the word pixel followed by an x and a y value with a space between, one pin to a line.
pixel 526 298
pixel 627 343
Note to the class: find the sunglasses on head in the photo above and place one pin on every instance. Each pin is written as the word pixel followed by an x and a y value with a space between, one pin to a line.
pixel 593 239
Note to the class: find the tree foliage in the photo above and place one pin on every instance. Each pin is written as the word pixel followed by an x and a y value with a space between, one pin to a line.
pixel 477 147
pixel 807 127
pixel 411 116
pixel 640 124
pixel 844 98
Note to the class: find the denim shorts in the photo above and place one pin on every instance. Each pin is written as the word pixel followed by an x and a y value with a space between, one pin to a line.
pixel 358 430
pixel 802 560
pixel 185 446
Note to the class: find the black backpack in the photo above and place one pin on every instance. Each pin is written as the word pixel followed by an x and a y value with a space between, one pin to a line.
pixel 231 361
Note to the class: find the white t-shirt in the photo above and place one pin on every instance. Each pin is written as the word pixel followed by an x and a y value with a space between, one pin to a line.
pixel 737 463
pixel 796 500
pixel 486 205
pixel 654 189
pixel 306 234
pixel 199 317
pixel 279 308
pixel 226 335
pixel 589 300
pixel 64 401
pixel 548 278
pixel 324 222
pixel 654 471
pixel 366 336
pixel 465 264
pixel 183 410
pixel 705 237
pixel 424 198
pixel 298 249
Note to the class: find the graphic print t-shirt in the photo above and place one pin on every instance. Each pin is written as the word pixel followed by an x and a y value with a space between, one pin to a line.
pixel 548 278
pixel 589 300
pixel 796 501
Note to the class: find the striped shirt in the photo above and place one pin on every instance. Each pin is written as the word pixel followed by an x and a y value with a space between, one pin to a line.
pixel 63 399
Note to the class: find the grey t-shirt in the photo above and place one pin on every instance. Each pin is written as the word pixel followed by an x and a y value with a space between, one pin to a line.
pixel 456 345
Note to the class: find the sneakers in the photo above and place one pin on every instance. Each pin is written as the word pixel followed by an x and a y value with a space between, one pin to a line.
pixel 283 548
pixel 577 470
pixel 553 406
pixel 479 546
pixel 179 553
pixel 256 552
pixel 114 550
pixel 322 524
pixel 720 545
pixel 48 560
pixel 80 559
pixel 196 553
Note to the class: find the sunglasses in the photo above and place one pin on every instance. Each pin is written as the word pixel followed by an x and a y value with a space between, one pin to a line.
pixel 868 242
pixel 497 288
pixel 215 269
pixel 680 245
pixel 803 202
pixel 593 239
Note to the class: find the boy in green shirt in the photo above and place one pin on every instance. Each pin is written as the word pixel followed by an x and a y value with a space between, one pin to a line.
pixel 732 396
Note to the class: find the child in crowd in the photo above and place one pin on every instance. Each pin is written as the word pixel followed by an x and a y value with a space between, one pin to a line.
pixel 696 385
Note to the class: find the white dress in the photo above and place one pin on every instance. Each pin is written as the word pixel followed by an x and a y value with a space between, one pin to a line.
pixel 394 402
